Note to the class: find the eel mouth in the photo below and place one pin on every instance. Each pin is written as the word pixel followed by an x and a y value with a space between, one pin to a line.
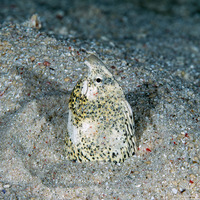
pixel 85 88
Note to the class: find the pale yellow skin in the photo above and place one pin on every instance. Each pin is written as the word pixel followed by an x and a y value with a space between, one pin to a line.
pixel 100 124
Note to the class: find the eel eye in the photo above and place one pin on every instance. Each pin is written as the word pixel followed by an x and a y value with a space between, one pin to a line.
pixel 98 80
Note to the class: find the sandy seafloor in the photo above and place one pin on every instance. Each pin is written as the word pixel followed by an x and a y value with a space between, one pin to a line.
pixel 153 50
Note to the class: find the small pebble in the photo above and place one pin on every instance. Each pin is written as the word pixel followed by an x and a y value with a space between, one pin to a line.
pixel 67 79
pixel 6 186
pixel 174 190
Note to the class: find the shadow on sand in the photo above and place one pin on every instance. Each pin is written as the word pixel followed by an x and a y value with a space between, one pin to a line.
pixel 142 101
